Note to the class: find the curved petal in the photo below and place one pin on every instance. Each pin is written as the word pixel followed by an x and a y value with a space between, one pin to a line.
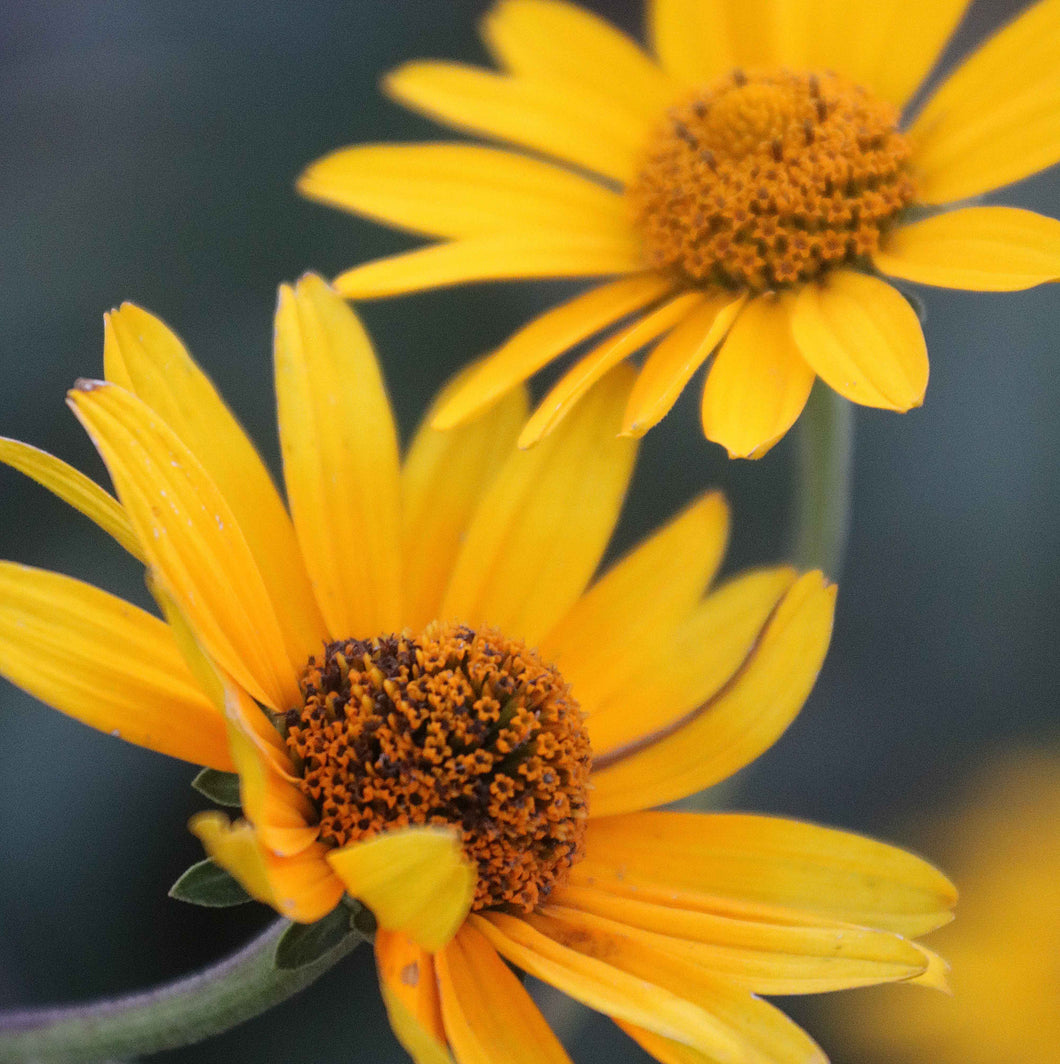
pixel 74 488
pixel 702 861
pixel 489 1016
pixel 142 355
pixel 759 381
pixel 863 339
pixel 461 190
pixel 416 881
pixel 699 40
pixel 983 249
pixel 674 359
pixel 191 539
pixel 538 115
pixel 592 366
pixel 610 979
pixel 302 888
pixel 674 673
pixel 444 476
pixel 639 599
pixel 545 338
pixel 736 725
pixel 758 955
pixel 557 42
pixel 533 544
pixel 106 663
pixel 409 986
pixel 996 119
pixel 340 459
pixel 548 253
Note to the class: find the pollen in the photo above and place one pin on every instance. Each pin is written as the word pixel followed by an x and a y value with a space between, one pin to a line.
pixel 454 727
pixel 764 180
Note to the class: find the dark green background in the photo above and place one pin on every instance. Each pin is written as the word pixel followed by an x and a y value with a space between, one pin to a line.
pixel 149 151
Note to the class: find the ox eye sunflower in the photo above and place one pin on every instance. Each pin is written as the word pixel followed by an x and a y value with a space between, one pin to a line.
pixel 437 707
pixel 748 186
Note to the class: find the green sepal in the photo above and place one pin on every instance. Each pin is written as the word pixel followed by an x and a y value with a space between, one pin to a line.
pixel 208 884
pixel 219 787
pixel 302 944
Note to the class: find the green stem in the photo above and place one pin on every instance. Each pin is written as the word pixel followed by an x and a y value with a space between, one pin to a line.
pixel 825 450
pixel 176 1014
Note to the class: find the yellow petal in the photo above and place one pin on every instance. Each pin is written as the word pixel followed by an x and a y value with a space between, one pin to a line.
pixel 741 721
pixel 592 366
pixel 862 338
pixel 415 880
pixel 410 991
pixel 533 544
pixel 757 955
pixel 671 364
pixel 281 814
pixel 996 119
pixel 611 976
pixel 461 190
pixel 340 460
pixel 191 538
pixel 142 355
pixel 759 381
pixel 489 1016
pixel 541 116
pixel 639 599
pixel 699 860
pixel 698 40
pixel 302 888
pixel 521 254
pixel 74 488
pixel 984 249
pixel 858 40
pixel 546 337
pixel 673 673
pixel 444 476
pixel 553 41
pixel 106 663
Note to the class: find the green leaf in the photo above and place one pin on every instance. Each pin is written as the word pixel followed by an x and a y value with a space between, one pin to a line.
pixel 301 944
pixel 208 884
pixel 219 787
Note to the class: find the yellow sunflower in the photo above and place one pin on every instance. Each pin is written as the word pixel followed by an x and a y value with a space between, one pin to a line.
pixel 434 709
pixel 746 186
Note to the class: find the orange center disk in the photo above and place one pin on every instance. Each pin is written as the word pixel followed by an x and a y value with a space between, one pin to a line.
pixel 763 180
pixel 454 727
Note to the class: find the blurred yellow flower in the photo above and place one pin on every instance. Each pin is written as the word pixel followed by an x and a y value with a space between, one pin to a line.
pixel 1004 849
pixel 748 185
pixel 433 708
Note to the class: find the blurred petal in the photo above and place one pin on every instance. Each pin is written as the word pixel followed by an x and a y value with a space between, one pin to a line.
pixel 410 991
pixel 533 544
pixel 106 663
pixel 340 460
pixel 74 488
pixel 489 1017
pixel 759 381
pixel 415 880
pixel 984 249
pixel 738 723
pixel 863 339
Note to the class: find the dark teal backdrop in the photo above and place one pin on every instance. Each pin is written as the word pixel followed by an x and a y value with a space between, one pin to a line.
pixel 149 152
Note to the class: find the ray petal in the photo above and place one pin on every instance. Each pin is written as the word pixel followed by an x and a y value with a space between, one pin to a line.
pixel 409 986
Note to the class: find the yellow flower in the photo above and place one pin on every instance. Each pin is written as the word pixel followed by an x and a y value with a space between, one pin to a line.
pixel 414 674
pixel 747 187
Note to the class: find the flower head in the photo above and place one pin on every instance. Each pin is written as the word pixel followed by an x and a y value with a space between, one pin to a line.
pixel 747 186
pixel 434 708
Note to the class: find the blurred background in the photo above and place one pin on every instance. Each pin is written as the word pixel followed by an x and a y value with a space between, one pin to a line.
pixel 149 154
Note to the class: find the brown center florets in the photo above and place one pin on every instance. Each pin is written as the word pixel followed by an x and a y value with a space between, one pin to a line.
pixel 763 180
pixel 454 727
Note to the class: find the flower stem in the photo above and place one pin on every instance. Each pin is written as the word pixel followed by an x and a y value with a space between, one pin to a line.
pixel 825 450
pixel 176 1014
